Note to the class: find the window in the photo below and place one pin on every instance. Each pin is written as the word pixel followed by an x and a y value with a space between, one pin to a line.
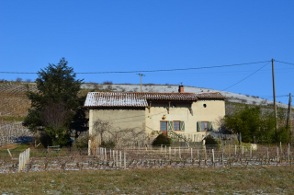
pixel 172 125
pixel 204 126
pixel 163 125
pixel 177 125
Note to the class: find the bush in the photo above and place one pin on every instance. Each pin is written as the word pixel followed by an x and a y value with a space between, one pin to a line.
pixel 82 141
pixel 161 139
pixel 108 144
pixel 210 140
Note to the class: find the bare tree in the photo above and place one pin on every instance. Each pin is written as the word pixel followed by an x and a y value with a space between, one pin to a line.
pixel 100 127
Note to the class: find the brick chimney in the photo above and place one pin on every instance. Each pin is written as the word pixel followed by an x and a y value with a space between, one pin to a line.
pixel 181 89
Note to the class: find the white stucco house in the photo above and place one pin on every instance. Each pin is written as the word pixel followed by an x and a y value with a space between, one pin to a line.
pixel 187 114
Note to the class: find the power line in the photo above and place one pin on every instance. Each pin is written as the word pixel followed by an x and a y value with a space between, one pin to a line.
pixel 152 71
pixel 245 78
pixel 283 62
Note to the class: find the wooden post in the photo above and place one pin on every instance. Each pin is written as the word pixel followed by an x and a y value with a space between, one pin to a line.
pixel 205 154
pixel 179 152
pixel 169 150
pixel 89 147
pixel 117 157
pixel 289 154
pixel 9 153
pixel 278 155
pixel 125 160
pixel 235 150
pixel 222 157
pixel 250 152
pixel 120 159
pixel 105 154
pixel 191 152
pixel 212 151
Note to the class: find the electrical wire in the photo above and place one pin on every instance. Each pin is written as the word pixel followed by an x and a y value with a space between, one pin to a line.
pixel 283 62
pixel 152 71
pixel 245 77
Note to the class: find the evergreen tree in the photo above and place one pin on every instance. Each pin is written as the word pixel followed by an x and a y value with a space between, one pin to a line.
pixel 55 104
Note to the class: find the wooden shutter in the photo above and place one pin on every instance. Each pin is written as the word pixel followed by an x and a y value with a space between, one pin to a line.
pixel 182 125
pixel 210 127
pixel 170 125
pixel 198 127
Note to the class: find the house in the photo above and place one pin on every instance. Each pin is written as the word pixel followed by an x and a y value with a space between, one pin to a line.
pixel 138 117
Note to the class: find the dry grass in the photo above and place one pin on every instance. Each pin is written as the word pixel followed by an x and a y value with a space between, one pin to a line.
pixel 250 180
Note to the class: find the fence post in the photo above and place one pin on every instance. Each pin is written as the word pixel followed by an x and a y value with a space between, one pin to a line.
pixel 278 155
pixel 267 154
pixel 289 154
pixel 23 158
pixel 105 154
pixel 120 159
pixel 89 147
pixel 212 151
pixel 235 150
pixel 169 151
pixel 250 152
pixel 125 160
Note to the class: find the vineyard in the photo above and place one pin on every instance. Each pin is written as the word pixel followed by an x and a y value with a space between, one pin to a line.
pixel 66 159
pixel 14 105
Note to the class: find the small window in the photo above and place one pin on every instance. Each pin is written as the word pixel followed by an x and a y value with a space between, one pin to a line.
pixel 163 125
pixel 204 105
pixel 204 126
pixel 177 125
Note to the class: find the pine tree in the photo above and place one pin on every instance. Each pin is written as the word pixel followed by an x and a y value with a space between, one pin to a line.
pixel 55 104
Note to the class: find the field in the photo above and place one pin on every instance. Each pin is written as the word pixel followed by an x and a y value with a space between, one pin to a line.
pixel 229 170
pixel 241 180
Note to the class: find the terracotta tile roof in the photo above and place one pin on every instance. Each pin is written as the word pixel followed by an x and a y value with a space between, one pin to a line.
pixel 210 96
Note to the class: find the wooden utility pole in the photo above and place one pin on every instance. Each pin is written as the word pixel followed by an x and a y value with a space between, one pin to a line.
pixel 289 121
pixel 274 95
pixel 141 75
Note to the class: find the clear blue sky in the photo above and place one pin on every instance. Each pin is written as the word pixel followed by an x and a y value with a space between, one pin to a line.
pixel 125 35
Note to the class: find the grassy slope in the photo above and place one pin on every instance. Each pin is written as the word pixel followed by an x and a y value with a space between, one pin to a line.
pixel 246 180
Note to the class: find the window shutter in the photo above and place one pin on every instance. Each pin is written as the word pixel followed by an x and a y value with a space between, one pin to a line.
pixel 182 125
pixel 198 127
pixel 209 126
pixel 170 125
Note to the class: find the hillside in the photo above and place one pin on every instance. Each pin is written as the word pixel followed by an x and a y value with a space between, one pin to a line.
pixel 230 97
pixel 14 104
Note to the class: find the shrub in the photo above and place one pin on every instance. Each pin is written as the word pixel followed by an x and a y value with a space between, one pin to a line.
pixel 210 140
pixel 161 139
pixel 82 140
pixel 108 144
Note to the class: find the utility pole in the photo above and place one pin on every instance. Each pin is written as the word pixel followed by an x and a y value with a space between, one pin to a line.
pixel 274 95
pixel 289 116
pixel 141 75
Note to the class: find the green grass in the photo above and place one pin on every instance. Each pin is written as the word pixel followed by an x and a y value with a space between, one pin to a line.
pixel 249 180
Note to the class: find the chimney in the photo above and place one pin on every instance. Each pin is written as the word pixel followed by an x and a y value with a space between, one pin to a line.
pixel 181 89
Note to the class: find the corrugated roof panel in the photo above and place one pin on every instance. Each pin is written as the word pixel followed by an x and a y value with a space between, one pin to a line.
pixel 113 99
